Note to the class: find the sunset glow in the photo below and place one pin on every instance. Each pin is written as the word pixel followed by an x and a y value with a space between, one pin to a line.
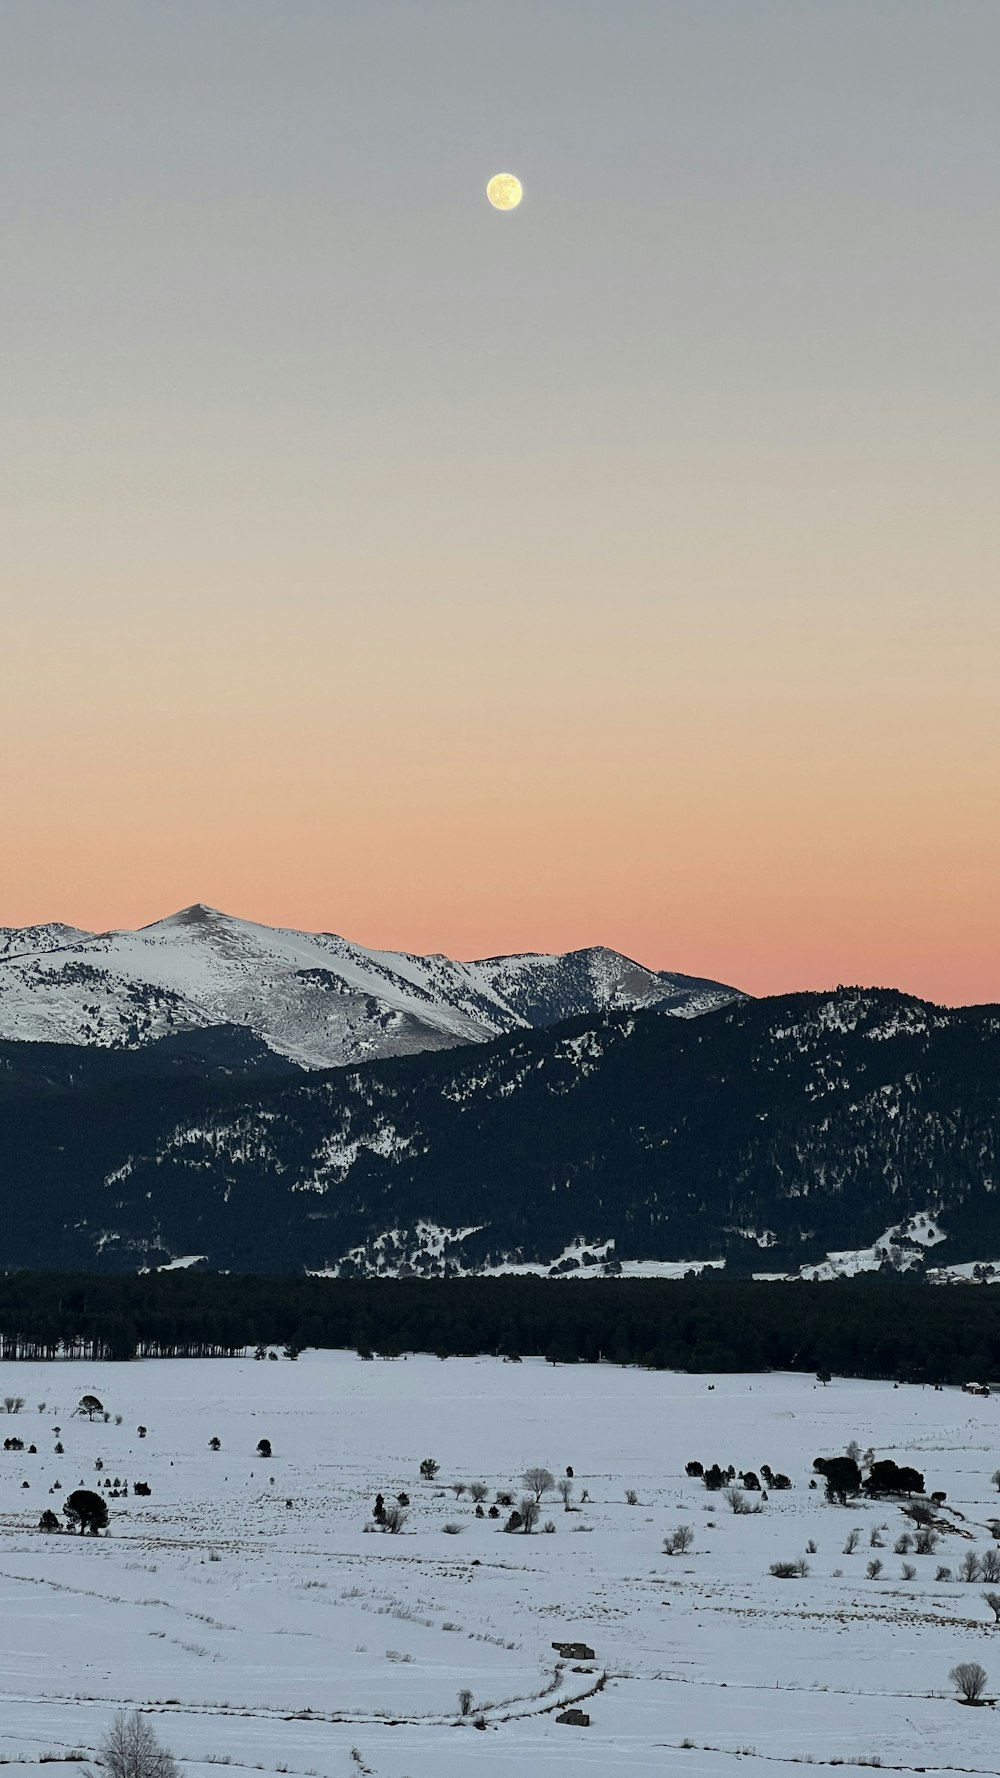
pixel 624 576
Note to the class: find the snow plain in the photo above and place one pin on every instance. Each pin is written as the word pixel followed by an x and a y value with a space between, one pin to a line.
pixel 247 1608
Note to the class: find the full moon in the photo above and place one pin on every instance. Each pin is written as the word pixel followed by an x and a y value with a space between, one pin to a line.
pixel 504 191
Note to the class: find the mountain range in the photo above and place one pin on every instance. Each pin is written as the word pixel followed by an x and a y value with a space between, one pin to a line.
pixel 809 1135
pixel 312 1000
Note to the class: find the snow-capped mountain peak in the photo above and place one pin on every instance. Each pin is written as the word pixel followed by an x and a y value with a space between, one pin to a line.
pixel 314 998
pixel 198 914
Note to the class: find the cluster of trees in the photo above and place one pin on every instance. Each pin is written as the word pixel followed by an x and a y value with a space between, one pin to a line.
pixel 844 1479
pixel 716 1478
pixel 536 1482
pixel 855 1328
pixel 84 1510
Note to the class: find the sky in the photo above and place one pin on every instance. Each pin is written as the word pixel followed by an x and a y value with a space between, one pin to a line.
pixel 622 569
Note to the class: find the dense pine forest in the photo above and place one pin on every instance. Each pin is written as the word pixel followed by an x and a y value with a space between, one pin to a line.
pixel 881 1328
pixel 765 1134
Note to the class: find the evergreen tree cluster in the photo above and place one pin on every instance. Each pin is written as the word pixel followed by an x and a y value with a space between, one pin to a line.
pixel 877 1328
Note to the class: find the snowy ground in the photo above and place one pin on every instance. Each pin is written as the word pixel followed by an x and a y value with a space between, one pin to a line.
pixel 245 1606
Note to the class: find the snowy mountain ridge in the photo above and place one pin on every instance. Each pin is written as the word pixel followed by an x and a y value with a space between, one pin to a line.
pixel 315 999
pixel 811 1136
pixel 22 941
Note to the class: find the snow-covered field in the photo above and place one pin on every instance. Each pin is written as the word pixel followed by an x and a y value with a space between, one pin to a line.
pixel 245 1606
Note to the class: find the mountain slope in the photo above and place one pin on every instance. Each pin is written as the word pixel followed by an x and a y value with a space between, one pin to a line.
pixel 545 990
pixel 30 941
pixel 769 1133
pixel 222 1052
pixel 313 998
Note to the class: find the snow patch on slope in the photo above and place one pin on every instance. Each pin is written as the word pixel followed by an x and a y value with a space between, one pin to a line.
pixel 904 1247
pixel 431 1251
pixel 973 1271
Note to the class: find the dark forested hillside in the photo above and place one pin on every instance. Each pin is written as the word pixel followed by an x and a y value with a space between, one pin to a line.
pixel 222 1052
pixel 767 1133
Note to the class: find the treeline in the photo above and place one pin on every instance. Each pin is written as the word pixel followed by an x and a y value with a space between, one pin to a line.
pixel 878 1328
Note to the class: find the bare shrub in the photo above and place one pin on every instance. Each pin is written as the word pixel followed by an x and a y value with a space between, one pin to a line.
pixel 790 1570
pixel 679 1541
pixel 925 1542
pixel 811 1547
pixel 875 1538
pixel 130 1749
pixel 903 1545
pixel 874 1569
pixel 989 1565
pixel 631 1497
pixel 565 1486
pixel 394 1518
pixel 479 1491
pixel 464 1701
pixel 943 1573
pixel 740 1504
pixel 970 1567
pixel 538 1480
pixel 458 1489
pixel 451 1529
pixel 853 1539
pixel 969 1680
pixel 549 1525
pixel 993 1601
pixel 908 1572
pixel 530 1512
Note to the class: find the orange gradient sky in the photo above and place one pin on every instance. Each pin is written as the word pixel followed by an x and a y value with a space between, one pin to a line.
pixel 622 570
